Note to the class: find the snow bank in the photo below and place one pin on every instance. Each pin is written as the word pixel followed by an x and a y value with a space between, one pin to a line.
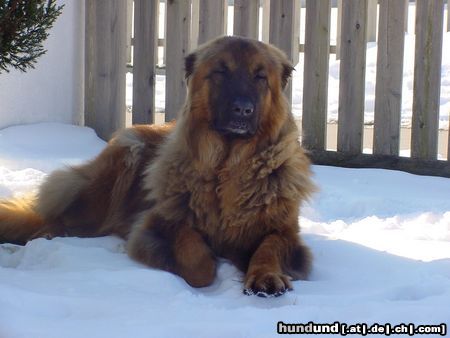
pixel 381 242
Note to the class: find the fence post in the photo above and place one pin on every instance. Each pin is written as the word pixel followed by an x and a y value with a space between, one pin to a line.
pixel 338 30
pixel 265 20
pixel 144 60
pixel 406 15
pixel 427 78
pixel 315 93
pixel 212 19
pixel 352 76
pixel 388 89
pixel 285 31
pixel 448 15
pixel 178 26
pixel 105 65
pixel 129 28
pixel 372 20
pixel 195 23
pixel 246 18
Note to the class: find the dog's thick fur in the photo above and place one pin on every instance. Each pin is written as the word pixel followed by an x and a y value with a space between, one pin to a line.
pixel 184 194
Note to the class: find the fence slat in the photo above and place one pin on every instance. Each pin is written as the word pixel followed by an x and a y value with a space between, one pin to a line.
pixel 352 76
pixel 427 78
pixel 406 14
pixel 284 30
pixel 338 29
pixel 315 93
pixel 246 18
pixel 129 28
pixel 265 20
pixel 195 18
pixel 105 65
pixel 177 40
pixel 144 60
pixel 448 15
pixel 388 90
pixel 372 20
pixel 212 19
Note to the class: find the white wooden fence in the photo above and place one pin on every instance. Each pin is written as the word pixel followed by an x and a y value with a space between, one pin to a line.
pixel 190 22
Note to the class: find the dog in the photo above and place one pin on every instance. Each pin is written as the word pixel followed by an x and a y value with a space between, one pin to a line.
pixel 225 180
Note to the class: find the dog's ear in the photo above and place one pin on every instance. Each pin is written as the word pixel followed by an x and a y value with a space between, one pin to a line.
pixel 189 65
pixel 286 72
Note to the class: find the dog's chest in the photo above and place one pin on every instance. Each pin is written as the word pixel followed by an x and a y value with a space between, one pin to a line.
pixel 232 199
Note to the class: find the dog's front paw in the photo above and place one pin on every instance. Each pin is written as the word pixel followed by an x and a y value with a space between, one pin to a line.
pixel 268 284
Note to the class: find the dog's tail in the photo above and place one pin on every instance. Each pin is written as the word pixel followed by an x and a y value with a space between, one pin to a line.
pixel 19 222
pixel 27 218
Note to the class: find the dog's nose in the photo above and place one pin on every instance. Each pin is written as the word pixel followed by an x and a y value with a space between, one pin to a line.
pixel 243 107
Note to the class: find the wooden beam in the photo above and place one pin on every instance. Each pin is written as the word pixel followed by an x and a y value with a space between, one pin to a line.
pixel 352 76
pixel 144 60
pixel 427 78
pixel 448 15
pixel 315 93
pixel 246 18
pixel 129 28
pixel 339 29
pixel 195 21
pixel 406 15
pixel 178 26
pixel 265 20
pixel 212 19
pixel 285 31
pixel 411 165
pixel 105 65
pixel 388 89
pixel 372 20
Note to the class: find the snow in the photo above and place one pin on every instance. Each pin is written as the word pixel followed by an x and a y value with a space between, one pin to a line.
pixel 381 242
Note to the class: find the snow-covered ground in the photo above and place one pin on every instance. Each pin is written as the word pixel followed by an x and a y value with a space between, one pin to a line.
pixel 333 80
pixel 381 242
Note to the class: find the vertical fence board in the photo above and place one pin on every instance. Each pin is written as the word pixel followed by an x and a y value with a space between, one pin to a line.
pixel 352 76
pixel 265 19
pixel 195 18
pixel 246 18
pixel 372 20
pixel 129 28
pixel 315 92
pixel 284 31
pixel 448 15
pixel 105 65
pixel 388 90
pixel 338 29
pixel 144 60
pixel 212 19
pixel 177 40
pixel 406 14
pixel 427 78
pixel 89 62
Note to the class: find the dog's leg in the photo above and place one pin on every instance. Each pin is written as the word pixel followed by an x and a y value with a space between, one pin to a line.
pixel 177 249
pixel 278 259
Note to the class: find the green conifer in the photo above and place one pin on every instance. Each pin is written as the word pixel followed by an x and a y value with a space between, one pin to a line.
pixel 24 26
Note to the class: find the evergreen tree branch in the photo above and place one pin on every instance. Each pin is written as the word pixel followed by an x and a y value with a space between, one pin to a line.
pixel 23 29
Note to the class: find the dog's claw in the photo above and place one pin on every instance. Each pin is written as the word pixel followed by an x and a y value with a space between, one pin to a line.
pixel 248 292
pixel 265 294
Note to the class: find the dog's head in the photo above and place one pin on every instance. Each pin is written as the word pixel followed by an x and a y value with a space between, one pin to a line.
pixel 234 83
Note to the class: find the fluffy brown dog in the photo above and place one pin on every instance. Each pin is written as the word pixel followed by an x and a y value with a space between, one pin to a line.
pixel 226 181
